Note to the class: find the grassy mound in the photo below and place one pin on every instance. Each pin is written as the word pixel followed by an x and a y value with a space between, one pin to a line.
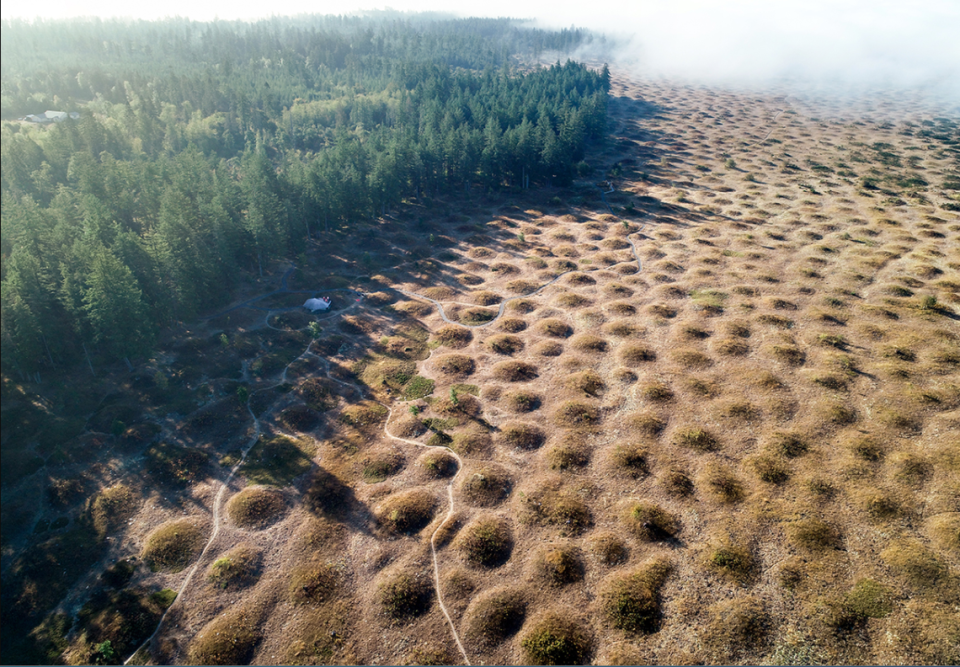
pixel 634 354
pixel 408 511
pixel 576 414
pixel 172 545
pixel 377 466
pixel 732 559
pixel 472 443
pixel 588 381
pixel 299 418
pixel 608 548
pixel 512 324
pixel 630 601
pixel 455 365
pixel 486 541
pixel 328 495
pixel 174 464
pixel 589 343
pixel 364 415
pixel 486 486
pixel 438 464
pixel 651 522
pixel 314 583
pixel 917 564
pixel 515 371
pixel 736 627
pixel 236 568
pixel 277 461
pixel 813 535
pixel 677 482
pixel 403 595
pixel 548 348
pixel 505 344
pixel 554 505
pixel 630 459
pixel 229 639
pixel 697 439
pixel 319 394
pixel 256 508
pixel 453 337
pixel 647 423
pixel 556 639
pixel 408 426
pixel 521 435
pixel 495 615
pixel 558 566
pixel 111 507
pixel 568 454
pixel 522 401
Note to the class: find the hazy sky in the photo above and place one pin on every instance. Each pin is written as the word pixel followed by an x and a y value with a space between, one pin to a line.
pixel 843 42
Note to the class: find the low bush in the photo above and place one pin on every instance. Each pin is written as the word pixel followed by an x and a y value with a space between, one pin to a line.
pixel 647 423
pixel 769 469
pixel 658 392
pixel 790 445
pixel 677 482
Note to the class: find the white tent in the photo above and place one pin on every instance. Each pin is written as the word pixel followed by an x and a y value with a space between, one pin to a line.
pixel 314 305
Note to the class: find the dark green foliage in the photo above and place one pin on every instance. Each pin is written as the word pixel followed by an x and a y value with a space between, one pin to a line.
pixel 130 219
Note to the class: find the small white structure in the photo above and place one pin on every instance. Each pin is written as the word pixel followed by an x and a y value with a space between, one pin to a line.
pixel 313 305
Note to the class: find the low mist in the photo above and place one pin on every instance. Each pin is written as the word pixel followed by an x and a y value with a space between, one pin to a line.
pixel 840 47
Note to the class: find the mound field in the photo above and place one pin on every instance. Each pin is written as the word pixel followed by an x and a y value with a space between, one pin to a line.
pixel 700 407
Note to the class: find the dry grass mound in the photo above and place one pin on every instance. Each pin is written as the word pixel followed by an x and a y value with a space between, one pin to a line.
pixel 589 382
pixel 408 511
pixel 521 435
pixel 505 344
pixel 438 464
pixel 917 564
pixel 633 354
pixel 558 565
pixel 556 505
pixel 408 426
pixel 736 627
pixel 453 337
pixel 609 548
pixel 522 401
pixel 554 327
pixel 256 507
pixel 487 486
pixel 319 394
pixel 487 541
pixel 314 583
pixel 404 595
pixel 455 365
pixel 111 507
pixel 697 439
pixel 229 639
pixel 631 459
pixel 556 639
pixel 813 535
pixel 630 601
pixel 589 343
pixel 576 414
pixel 299 418
pixel 512 325
pixel 548 348
pixel 732 559
pixel 172 545
pixel 651 523
pixel 515 371
pixel 238 567
pixel 568 454
pixel 647 423
pixel 495 615
pixel 379 465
